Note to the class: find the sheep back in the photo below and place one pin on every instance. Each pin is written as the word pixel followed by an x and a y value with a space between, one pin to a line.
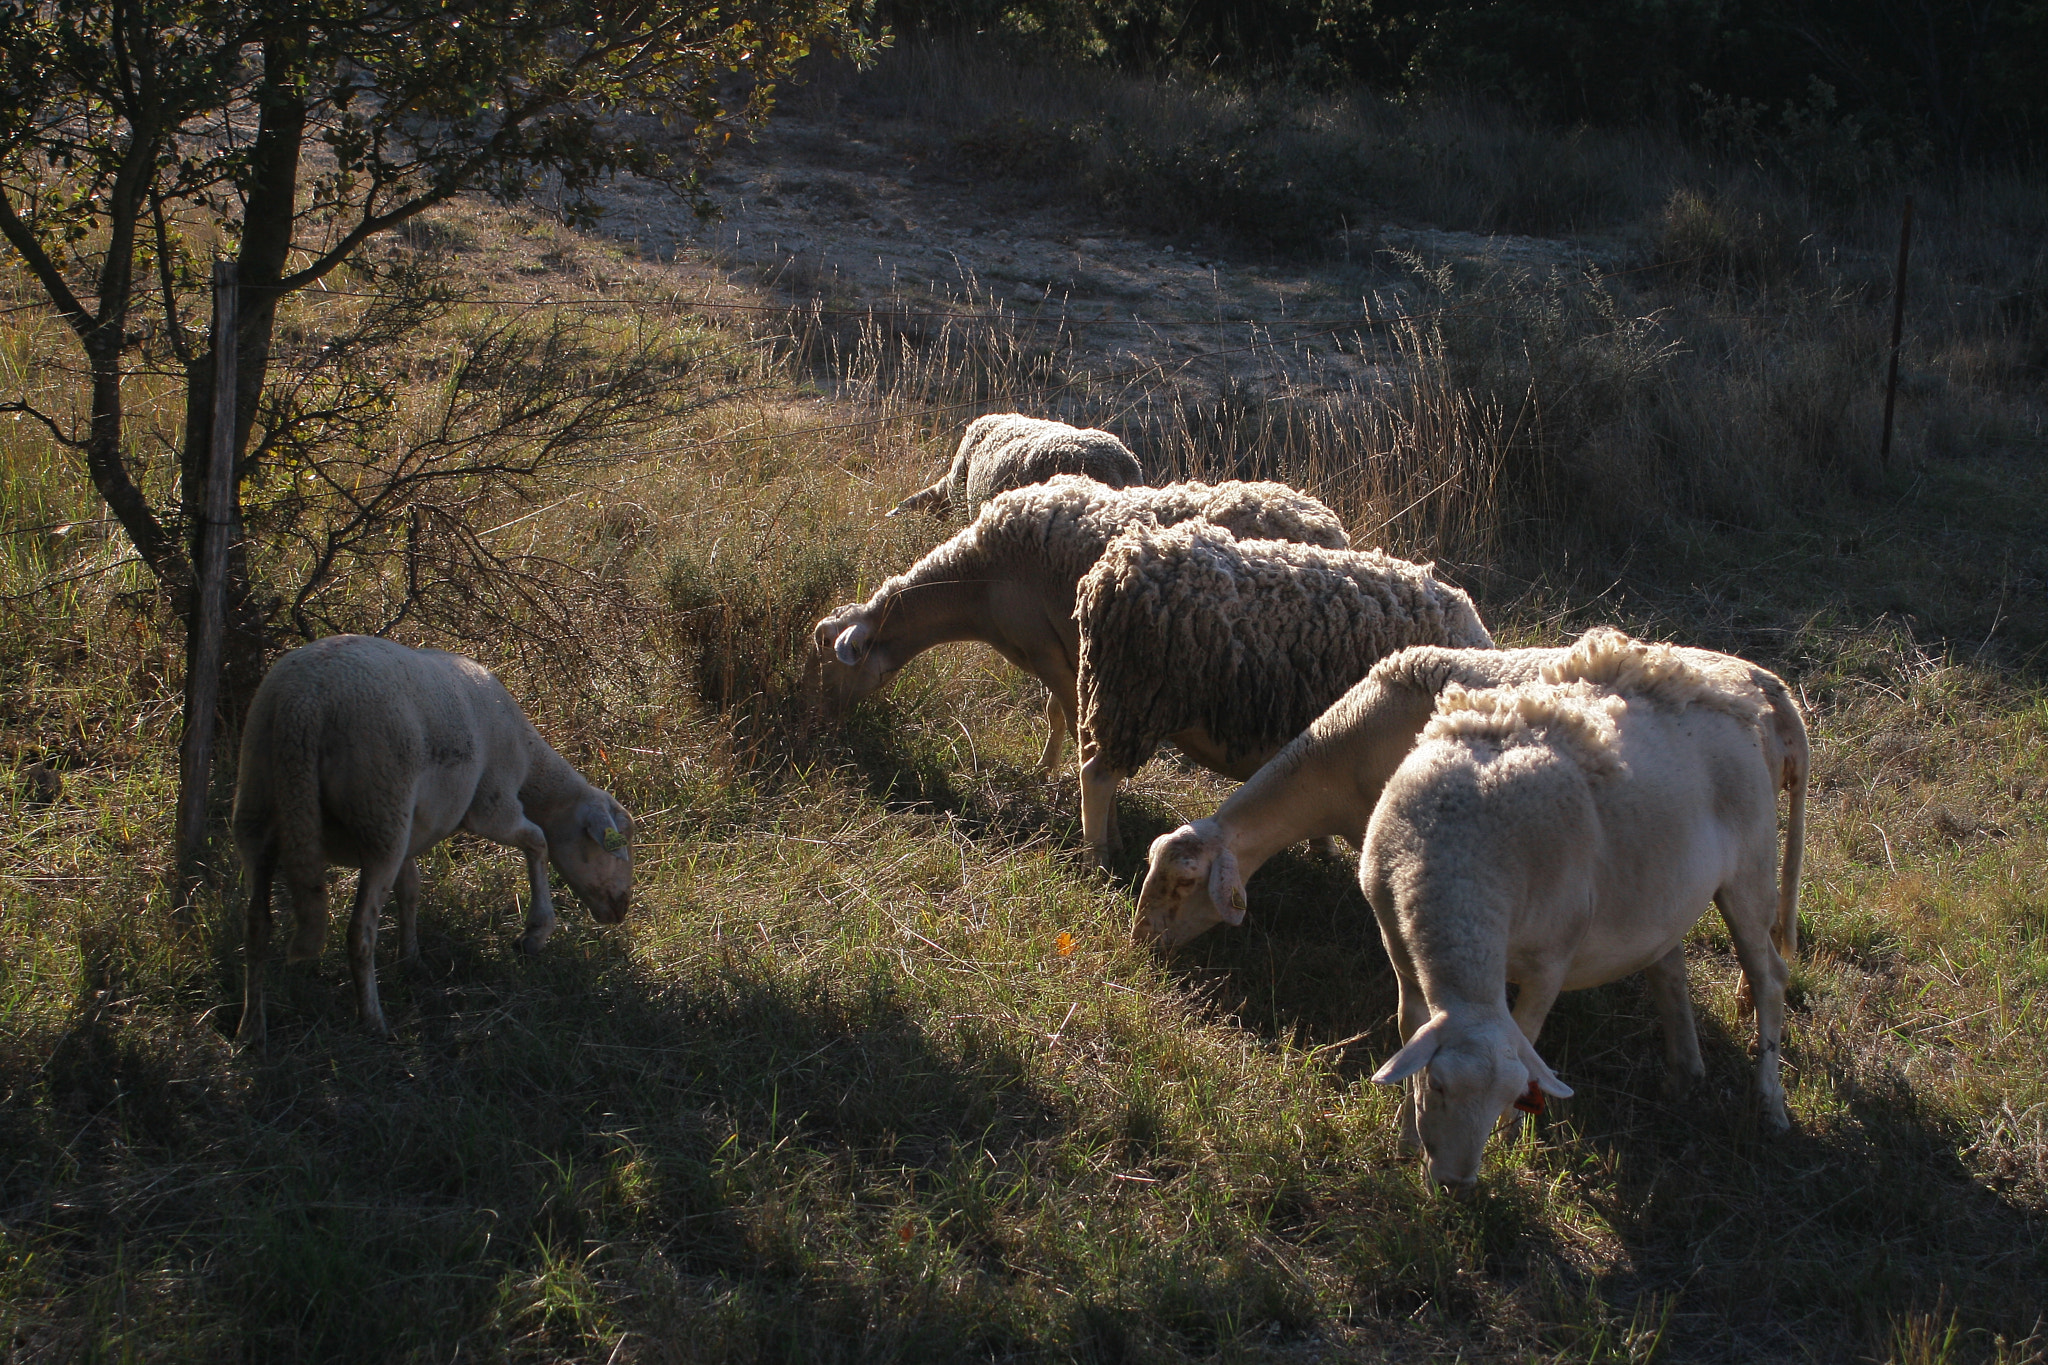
pixel 341 729
pixel 1009 450
pixel 1579 694
pixel 1053 532
pixel 1250 640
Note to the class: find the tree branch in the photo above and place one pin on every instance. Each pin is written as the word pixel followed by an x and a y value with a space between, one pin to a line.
pixel 22 239
pixel 57 432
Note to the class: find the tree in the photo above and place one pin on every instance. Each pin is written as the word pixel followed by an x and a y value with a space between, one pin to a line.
pixel 135 135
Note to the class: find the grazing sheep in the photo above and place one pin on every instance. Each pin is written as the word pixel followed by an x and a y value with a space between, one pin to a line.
pixel 1009 450
pixel 1559 834
pixel 1008 580
pixel 1327 781
pixel 1231 648
pixel 365 753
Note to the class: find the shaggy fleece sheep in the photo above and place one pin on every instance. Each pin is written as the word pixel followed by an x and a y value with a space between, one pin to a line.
pixel 1008 580
pixel 1009 450
pixel 1327 780
pixel 1559 834
pixel 1231 648
pixel 365 753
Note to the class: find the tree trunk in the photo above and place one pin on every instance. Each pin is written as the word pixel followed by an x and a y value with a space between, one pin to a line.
pixel 272 190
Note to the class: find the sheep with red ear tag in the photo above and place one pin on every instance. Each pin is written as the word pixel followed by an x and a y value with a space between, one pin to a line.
pixel 1559 834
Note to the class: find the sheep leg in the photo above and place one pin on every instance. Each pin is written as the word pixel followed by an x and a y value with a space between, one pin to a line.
pixel 372 886
pixel 1056 726
pixel 1749 914
pixel 1683 1067
pixel 540 905
pixel 1412 1012
pixel 501 819
pixel 409 909
pixel 1098 806
pixel 256 945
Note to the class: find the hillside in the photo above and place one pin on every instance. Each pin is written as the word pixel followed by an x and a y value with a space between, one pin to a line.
pixel 873 1072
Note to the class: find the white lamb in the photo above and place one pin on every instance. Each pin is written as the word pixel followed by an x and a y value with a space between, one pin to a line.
pixel 1008 581
pixel 1557 835
pixel 1231 648
pixel 1008 450
pixel 1327 781
pixel 365 753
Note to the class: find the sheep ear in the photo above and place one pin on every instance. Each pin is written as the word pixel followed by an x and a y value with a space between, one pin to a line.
pixel 599 825
pixel 1412 1058
pixel 851 645
pixel 1226 888
pixel 1540 1073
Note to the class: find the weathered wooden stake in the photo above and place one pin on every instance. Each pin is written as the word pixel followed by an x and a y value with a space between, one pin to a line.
pixel 202 668
pixel 1891 383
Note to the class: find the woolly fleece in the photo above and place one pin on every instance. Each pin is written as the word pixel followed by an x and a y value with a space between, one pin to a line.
pixel 1008 450
pixel 1251 640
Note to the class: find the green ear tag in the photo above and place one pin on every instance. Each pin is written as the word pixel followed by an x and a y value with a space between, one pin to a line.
pixel 614 841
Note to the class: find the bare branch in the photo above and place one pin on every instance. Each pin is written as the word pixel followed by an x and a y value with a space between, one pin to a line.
pixel 56 432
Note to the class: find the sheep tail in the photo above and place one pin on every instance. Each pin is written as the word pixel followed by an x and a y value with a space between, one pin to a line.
pixel 1786 932
pixel 924 500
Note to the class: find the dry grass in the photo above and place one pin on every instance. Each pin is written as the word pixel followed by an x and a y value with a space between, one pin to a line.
pixel 838 1091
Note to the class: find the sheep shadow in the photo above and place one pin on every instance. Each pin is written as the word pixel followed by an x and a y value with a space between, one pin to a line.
pixel 1865 1215
pixel 990 800
pixel 530 1116
pixel 1823 1242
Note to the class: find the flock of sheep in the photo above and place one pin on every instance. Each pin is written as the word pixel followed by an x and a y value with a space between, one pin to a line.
pixel 1541 819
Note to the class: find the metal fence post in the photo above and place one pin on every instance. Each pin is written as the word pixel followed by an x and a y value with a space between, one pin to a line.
pixel 1891 383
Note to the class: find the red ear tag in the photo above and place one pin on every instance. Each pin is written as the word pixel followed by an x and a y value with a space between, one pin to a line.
pixel 1532 1102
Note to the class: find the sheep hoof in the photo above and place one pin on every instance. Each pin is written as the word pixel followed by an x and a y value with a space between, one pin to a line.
pixel 250 1033
pixel 533 940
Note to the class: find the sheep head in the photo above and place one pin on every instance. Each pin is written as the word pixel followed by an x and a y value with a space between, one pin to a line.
pixel 1191 887
pixel 1472 1071
pixel 853 666
pixel 593 850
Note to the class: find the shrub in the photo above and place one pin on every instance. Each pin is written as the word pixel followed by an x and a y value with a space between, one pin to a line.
pixel 741 616
pixel 1719 237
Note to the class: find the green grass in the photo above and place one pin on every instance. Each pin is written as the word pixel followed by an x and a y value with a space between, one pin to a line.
pixel 836 1092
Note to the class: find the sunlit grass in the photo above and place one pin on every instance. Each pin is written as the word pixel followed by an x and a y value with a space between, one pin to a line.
pixel 873 1072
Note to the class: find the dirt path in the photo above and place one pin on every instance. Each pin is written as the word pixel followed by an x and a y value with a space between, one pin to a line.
pixel 847 215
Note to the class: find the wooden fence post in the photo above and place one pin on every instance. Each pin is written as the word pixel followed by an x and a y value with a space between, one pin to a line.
pixel 1891 383
pixel 202 666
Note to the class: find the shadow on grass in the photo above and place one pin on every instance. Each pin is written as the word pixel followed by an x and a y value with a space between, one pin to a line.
pixel 1819 1243
pixel 742 1156
pixel 341 1198
pixel 998 802
pixel 1861 1217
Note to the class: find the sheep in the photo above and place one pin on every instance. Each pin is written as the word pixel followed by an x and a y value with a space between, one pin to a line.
pixel 1009 450
pixel 1559 834
pixel 363 752
pixel 1008 581
pixel 1327 781
pixel 1231 648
